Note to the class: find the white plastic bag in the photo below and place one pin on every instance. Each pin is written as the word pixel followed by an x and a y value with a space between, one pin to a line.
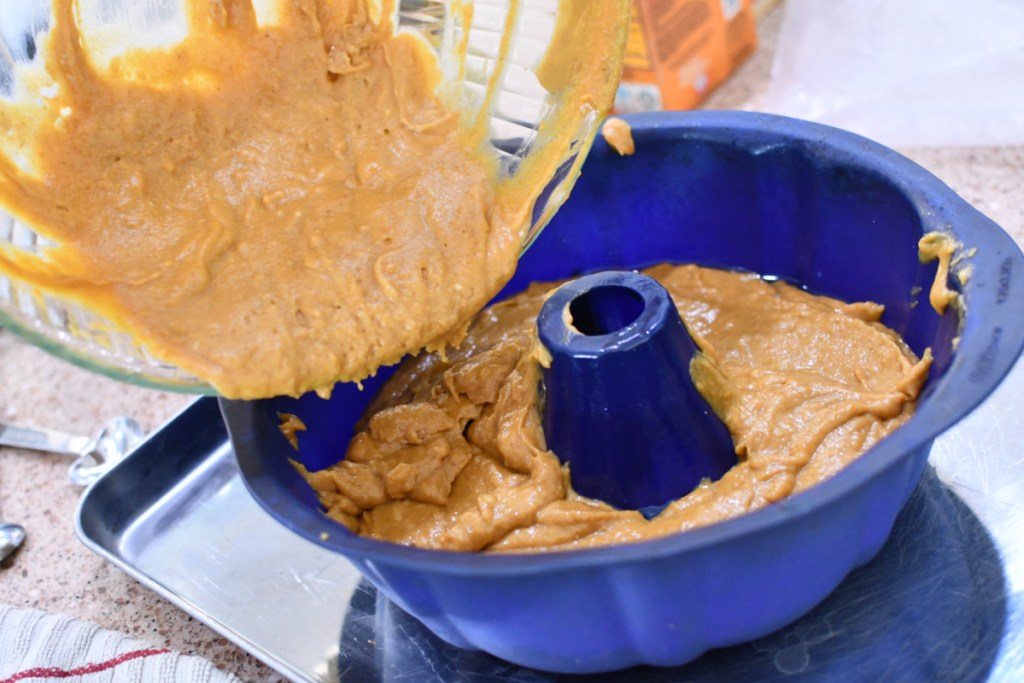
pixel 907 73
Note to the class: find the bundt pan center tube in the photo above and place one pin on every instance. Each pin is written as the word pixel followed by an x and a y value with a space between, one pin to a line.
pixel 619 404
pixel 824 208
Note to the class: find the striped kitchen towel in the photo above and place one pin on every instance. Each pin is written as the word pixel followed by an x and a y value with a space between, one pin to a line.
pixel 36 646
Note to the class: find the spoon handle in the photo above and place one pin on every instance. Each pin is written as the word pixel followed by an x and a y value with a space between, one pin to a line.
pixel 42 439
pixel 93 456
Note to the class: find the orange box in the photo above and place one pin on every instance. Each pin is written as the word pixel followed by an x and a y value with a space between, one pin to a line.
pixel 680 50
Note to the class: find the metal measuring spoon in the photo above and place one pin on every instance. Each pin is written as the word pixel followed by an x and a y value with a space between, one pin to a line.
pixel 93 455
pixel 11 536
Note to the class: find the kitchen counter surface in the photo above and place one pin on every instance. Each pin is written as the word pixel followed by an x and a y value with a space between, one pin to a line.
pixel 54 572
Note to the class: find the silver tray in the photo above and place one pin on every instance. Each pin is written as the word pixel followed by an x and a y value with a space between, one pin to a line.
pixel 943 601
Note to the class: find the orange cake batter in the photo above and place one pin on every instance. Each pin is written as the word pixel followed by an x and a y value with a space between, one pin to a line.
pixel 453 454
pixel 276 208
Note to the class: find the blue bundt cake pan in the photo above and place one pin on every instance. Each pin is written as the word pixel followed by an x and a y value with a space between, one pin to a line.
pixel 836 212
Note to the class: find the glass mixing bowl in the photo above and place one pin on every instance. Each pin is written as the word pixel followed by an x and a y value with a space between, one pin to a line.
pixel 468 39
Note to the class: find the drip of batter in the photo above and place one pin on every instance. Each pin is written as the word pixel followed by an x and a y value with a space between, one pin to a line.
pixel 453 453
pixel 277 208
pixel 940 246
pixel 619 136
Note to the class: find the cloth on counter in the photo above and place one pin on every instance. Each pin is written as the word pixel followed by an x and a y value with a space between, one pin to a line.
pixel 38 646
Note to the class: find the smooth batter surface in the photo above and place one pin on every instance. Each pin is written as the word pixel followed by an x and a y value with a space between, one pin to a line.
pixel 276 208
pixel 453 455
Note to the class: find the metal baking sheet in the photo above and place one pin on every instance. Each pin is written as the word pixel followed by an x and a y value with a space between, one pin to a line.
pixel 943 601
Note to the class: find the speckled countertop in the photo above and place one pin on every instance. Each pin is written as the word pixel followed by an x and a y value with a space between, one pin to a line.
pixel 54 572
